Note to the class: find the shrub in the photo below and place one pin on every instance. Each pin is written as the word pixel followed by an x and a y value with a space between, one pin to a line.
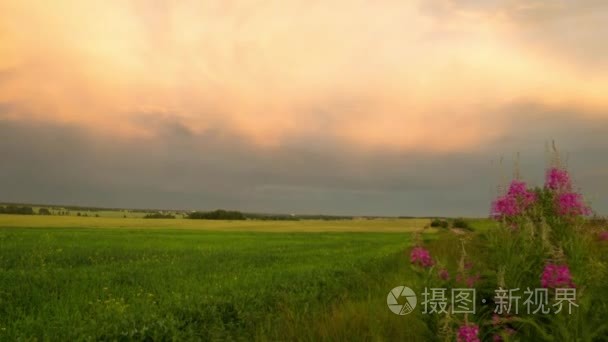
pixel 439 223
pixel 461 223
pixel 44 211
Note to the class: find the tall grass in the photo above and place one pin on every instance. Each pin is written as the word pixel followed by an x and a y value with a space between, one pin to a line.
pixel 542 238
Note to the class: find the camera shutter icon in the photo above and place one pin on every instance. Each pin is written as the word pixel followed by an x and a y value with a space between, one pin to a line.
pixel 401 300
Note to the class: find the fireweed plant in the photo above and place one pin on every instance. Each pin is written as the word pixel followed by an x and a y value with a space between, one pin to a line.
pixel 542 239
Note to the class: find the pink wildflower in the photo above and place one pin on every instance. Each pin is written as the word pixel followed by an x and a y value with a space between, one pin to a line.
pixel 422 257
pixel 603 236
pixel 519 190
pixel 571 204
pixel 515 202
pixel 468 333
pixel 505 206
pixel 556 276
pixel 444 275
pixel 558 180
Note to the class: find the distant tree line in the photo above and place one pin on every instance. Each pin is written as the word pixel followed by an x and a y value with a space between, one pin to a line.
pixel 222 214
pixel 67 208
pixel 15 210
pixel 158 215
pixel 326 217
pixel 28 210
pixel 86 214
pixel 272 217
pixel 217 215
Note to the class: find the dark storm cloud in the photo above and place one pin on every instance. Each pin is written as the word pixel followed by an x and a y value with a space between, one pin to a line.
pixel 46 162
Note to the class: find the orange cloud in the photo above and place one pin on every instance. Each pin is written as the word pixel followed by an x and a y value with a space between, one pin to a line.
pixel 381 75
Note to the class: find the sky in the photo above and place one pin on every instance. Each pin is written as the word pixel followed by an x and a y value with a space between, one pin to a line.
pixel 352 107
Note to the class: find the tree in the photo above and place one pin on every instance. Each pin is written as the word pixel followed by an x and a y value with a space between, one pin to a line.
pixel 44 211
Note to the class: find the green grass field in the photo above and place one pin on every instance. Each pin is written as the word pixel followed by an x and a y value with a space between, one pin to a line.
pixel 87 278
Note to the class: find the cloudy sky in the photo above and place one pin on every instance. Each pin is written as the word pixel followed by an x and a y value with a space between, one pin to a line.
pixel 341 107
